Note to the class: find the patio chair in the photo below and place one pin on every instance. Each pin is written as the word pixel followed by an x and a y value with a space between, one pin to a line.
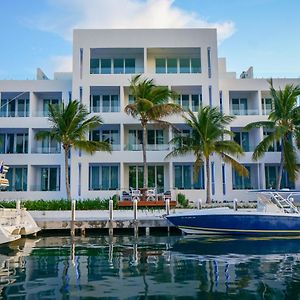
pixel 151 194
pixel 135 194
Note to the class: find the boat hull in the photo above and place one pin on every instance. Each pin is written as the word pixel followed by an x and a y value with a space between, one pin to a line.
pixel 237 223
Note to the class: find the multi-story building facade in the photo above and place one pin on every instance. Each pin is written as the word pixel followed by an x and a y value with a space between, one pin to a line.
pixel 104 61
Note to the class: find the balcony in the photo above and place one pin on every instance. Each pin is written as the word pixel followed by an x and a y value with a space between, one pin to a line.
pixel 118 61
pixel 149 147
pixel 46 150
pixel 244 112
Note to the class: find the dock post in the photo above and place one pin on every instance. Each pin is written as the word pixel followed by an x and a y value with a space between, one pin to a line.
pixel 18 204
pixel 111 217
pixel 235 204
pixel 167 206
pixel 73 208
pixel 134 209
pixel 136 228
pixel 111 209
pixel 199 203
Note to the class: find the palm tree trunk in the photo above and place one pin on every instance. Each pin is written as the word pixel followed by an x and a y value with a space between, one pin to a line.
pixel 280 168
pixel 68 190
pixel 208 197
pixel 67 174
pixel 144 146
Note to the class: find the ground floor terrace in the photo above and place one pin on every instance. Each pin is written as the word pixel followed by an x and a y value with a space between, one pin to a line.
pixel 103 180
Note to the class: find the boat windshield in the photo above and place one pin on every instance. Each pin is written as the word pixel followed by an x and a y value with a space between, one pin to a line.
pixel 278 200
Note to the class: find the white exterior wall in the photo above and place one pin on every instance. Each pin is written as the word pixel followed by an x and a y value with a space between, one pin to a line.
pixel 144 45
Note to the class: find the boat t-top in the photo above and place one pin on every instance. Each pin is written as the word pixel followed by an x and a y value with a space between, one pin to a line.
pixel 276 214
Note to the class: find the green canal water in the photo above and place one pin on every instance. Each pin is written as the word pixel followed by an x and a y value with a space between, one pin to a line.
pixel 150 267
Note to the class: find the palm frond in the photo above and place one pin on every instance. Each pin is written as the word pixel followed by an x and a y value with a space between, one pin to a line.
pixel 235 164
pixel 92 146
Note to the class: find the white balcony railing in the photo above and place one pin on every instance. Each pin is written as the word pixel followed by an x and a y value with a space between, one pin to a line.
pixel 149 147
pixel 244 112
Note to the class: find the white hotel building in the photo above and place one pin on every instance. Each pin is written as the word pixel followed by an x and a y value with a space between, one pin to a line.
pixel 185 60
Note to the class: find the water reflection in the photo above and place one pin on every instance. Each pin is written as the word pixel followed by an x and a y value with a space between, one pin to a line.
pixel 151 267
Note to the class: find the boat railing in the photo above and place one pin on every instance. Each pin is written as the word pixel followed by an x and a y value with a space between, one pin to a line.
pixel 284 200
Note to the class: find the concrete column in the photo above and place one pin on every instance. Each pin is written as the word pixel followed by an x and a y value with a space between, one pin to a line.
pixel 122 176
pixel 262 176
pixel 259 103
pixel 171 181
pixel 122 98
pixel 145 61
pixel 122 137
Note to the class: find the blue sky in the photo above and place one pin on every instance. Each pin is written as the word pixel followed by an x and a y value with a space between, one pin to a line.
pixel 261 33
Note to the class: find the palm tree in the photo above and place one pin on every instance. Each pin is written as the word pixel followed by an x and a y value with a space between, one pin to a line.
pixel 69 127
pixel 150 106
pixel 284 123
pixel 206 138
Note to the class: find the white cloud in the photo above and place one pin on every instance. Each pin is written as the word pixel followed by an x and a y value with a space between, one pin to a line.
pixel 62 63
pixel 68 15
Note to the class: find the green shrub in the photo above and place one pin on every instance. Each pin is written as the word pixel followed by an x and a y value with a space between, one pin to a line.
pixel 182 200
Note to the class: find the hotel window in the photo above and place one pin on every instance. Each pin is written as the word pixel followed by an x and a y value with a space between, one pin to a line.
pixel 195 65
pixel 239 106
pixel 209 61
pixel 105 103
pixel 94 66
pixel 210 95
pixel 172 65
pixel 184 177
pixel 184 65
pixel 154 137
pixel 104 177
pixel 241 182
pixel 131 99
pixel 242 138
pixel 223 179
pixel 196 101
pixel 17 177
pixel 267 105
pixel 46 103
pixel 105 66
pixel 271 173
pixel 129 65
pixel 111 136
pixel 160 66
pixel 50 179
pixel 49 145
pixel 14 143
pixel 187 101
pixel 81 61
pixel 276 146
pixel 221 101
pixel 14 108
pixel 213 179
pixel 155 177
pixel 118 66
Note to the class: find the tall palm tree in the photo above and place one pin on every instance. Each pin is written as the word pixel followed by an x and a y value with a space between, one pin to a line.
pixel 284 123
pixel 206 138
pixel 69 127
pixel 151 105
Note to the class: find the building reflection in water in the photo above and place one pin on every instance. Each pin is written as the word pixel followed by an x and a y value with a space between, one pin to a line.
pixel 170 267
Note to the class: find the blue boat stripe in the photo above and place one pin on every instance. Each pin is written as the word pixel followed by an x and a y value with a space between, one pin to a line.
pixel 237 230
